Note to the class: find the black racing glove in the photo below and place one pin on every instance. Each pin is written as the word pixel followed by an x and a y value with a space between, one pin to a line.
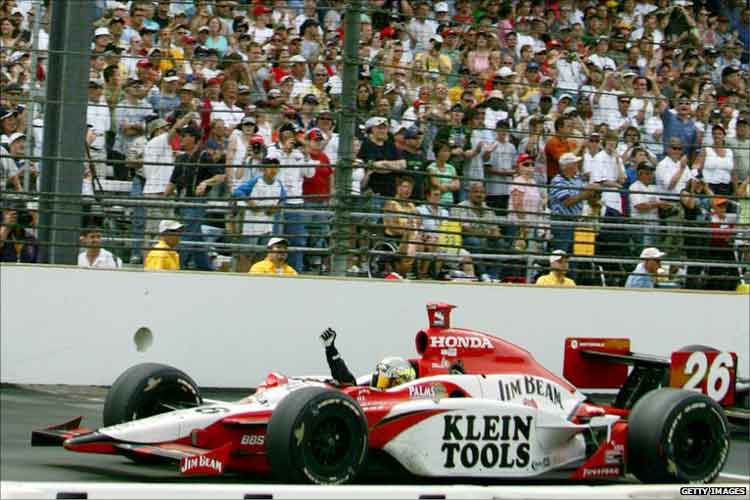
pixel 328 337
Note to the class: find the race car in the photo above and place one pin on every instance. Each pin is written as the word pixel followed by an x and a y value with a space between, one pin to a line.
pixel 480 408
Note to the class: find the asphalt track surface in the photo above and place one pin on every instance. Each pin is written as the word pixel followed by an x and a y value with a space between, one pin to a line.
pixel 25 408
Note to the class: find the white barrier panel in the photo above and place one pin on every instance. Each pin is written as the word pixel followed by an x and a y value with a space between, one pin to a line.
pixel 78 326
pixel 17 490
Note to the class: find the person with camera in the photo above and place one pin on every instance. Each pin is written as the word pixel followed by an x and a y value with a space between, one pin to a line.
pixel 295 167
pixel 17 244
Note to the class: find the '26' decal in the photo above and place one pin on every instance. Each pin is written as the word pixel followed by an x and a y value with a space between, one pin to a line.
pixel 712 373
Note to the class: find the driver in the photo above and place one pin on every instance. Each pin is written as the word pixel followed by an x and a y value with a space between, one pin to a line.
pixel 389 372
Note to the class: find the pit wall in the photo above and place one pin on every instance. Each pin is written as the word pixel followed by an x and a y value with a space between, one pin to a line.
pixel 63 325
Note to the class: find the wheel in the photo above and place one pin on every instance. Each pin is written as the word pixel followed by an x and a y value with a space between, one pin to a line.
pixel 317 435
pixel 379 263
pixel 676 435
pixel 148 389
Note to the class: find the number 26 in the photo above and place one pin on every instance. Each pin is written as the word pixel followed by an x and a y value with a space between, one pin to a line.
pixel 719 378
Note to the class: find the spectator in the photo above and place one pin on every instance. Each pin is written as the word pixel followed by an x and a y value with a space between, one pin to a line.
pixel 645 273
pixel 264 195
pixel 721 247
pixel 443 175
pixel 295 167
pixel 18 242
pixel 559 144
pixel 740 147
pixel 94 255
pixel 567 194
pixel 194 176
pixel 400 222
pixel 97 115
pixel 645 204
pixel 558 264
pixel 499 158
pixel 526 207
pixel 672 175
pixel 317 193
pixel 411 151
pixel 275 261
pixel 163 256
pixel 479 227
pixel 717 163
pixel 608 171
pixel 679 124
pixel 384 162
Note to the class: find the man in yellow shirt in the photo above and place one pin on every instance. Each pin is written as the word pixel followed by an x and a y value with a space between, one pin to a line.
pixel 163 255
pixel 558 266
pixel 275 261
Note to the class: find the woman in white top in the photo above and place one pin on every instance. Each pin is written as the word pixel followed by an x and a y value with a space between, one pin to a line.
pixel 717 163
pixel 238 150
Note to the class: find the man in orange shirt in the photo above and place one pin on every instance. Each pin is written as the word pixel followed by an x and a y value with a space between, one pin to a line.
pixel 559 144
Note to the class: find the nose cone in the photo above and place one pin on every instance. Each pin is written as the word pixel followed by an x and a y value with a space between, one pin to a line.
pixel 93 442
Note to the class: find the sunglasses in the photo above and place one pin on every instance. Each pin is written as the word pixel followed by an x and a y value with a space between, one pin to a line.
pixel 527 164
pixel 675 147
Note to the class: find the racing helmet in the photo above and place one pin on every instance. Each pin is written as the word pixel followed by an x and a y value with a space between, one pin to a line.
pixel 392 371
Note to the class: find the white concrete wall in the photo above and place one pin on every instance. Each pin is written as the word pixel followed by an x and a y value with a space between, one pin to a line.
pixel 76 326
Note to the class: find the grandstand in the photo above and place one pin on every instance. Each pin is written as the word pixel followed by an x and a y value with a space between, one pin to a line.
pixel 465 139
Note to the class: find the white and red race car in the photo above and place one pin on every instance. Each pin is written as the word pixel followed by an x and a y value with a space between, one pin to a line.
pixel 480 408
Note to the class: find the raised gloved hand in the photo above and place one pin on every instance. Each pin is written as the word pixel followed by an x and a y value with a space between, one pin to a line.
pixel 328 337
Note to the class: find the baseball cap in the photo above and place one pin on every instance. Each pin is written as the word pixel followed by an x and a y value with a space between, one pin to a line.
pixel 15 136
pixel 496 94
pixel 260 10
pixel 248 119
pixel 102 32
pixel 652 253
pixel 310 99
pixel 436 38
pixel 276 241
pixel 505 72
pixel 557 255
pixel 155 125
pixel 189 87
pixel 412 132
pixel 297 59
pixel 274 93
pixel 565 96
pixel 315 134
pixel 567 158
pixel 441 7
pixel 243 89
pixel 532 66
pixel 171 76
pixel 144 63
pixel 204 28
pixel 169 225
pixel 375 121
pixel 524 158
pixel 191 130
pixel 7 113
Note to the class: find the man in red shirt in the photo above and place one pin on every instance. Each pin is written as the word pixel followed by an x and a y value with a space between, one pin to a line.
pixel 317 192
pixel 559 144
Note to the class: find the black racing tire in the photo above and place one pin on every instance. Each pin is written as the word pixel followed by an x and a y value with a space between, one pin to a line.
pixel 149 389
pixel 677 436
pixel 317 435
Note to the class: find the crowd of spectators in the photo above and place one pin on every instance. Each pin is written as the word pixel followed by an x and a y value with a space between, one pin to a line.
pixel 483 127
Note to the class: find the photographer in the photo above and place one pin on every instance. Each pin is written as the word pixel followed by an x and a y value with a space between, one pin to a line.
pixel 18 244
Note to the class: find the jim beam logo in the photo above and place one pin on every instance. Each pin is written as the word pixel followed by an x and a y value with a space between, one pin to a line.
pixel 201 465
pixel 489 441
pixel 529 386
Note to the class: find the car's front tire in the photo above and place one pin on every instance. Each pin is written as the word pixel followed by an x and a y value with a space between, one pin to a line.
pixel 317 435
pixel 676 435
pixel 149 389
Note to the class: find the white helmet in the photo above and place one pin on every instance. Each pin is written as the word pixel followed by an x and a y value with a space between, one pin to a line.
pixel 391 372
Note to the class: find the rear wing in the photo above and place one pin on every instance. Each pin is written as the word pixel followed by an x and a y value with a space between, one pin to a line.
pixel 602 363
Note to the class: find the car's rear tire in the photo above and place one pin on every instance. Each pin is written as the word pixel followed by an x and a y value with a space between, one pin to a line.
pixel 317 435
pixel 149 389
pixel 676 435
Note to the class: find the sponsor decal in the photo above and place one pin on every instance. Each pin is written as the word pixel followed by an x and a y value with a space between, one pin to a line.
pixel 252 439
pixel 208 410
pixel 601 472
pixel 461 342
pixel 439 319
pixel 542 464
pixel 529 386
pixel 201 465
pixel 432 391
pixel 615 455
pixel 500 441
